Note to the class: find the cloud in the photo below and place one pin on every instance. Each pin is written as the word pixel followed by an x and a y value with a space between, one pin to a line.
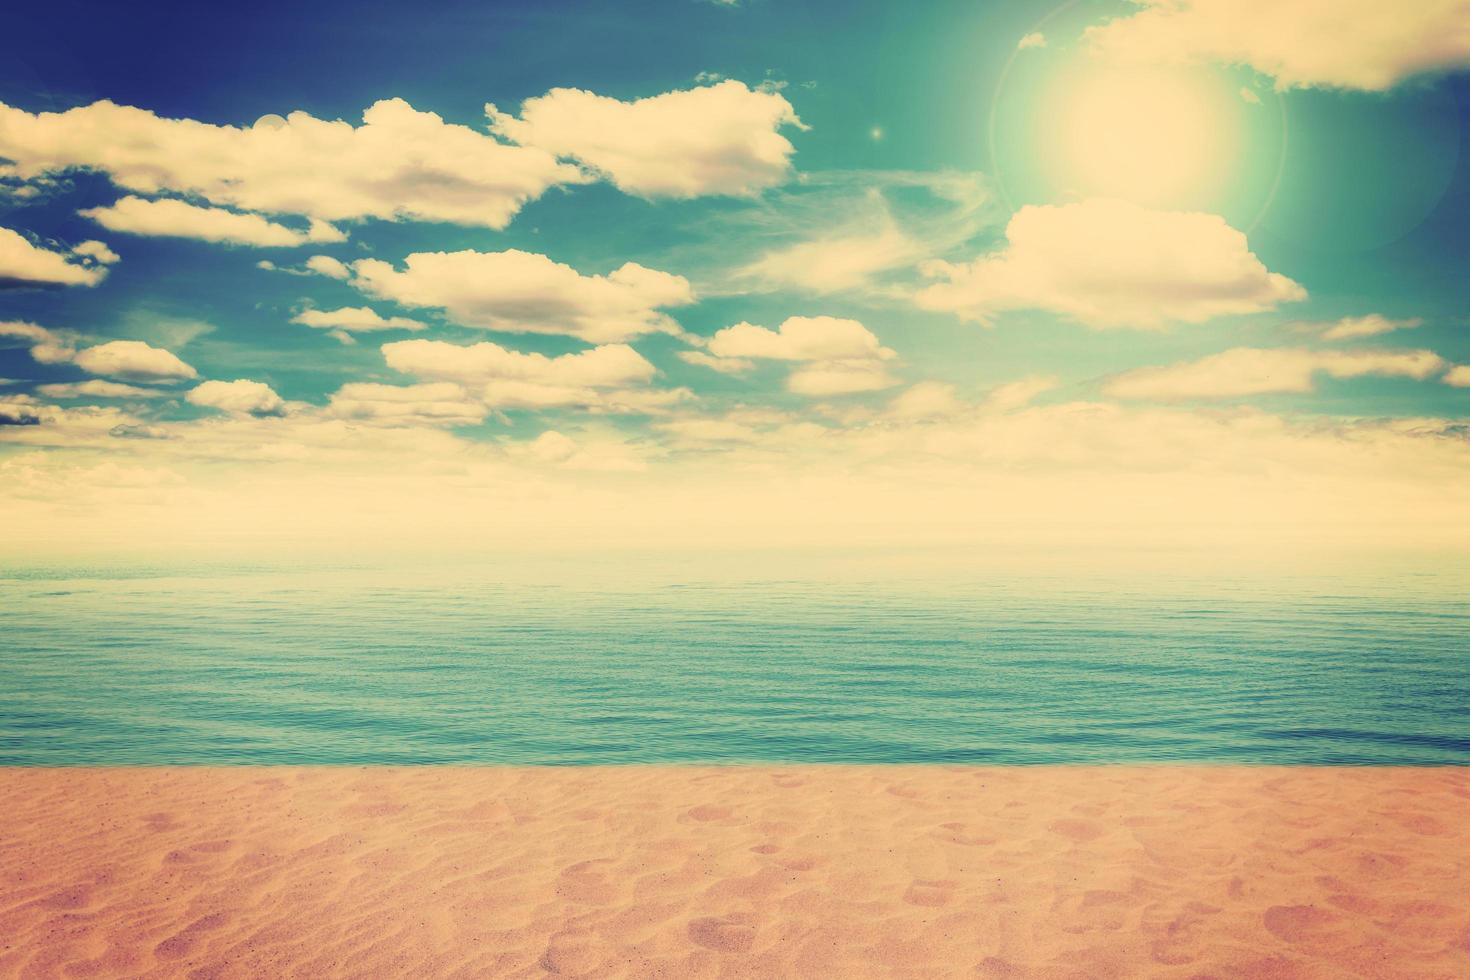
pixel 354 318
pixel 839 378
pixel 838 356
pixel 399 164
pixel 132 360
pixel 325 265
pixel 179 219
pixel 23 264
pixel 801 338
pixel 715 139
pixel 925 400
pixel 724 365
pixel 239 397
pixel 98 389
pixel 1246 95
pixel 1351 44
pixel 46 346
pixel 1019 393
pixel 1353 327
pixel 611 366
pixel 1035 39
pixel 1112 264
pixel 12 414
pixel 843 232
pixel 442 403
pixel 524 292
pixel 1244 371
pixel 1458 376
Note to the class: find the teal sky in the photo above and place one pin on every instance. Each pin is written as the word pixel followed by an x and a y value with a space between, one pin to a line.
pixel 1106 266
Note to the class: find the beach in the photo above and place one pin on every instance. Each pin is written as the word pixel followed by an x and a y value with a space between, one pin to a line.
pixel 758 871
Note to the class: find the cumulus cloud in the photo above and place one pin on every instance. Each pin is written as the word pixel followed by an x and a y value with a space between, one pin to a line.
pixel 355 319
pixel 325 265
pixel 1112 264
pixel 1244 371
pixel 1458 376
pixel 132 360
pixel 239 397
pixel 46 346
pixel 399 164
pixel 801 338
pixel 524 292
pixel 179 219
pixel 607 378
pixel 1350 44
pixel 1353 327
pixel 715 139
pixel 24 264
pixel 442 403
pixel 838 356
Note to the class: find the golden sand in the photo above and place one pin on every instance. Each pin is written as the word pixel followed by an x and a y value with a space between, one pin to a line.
pixel 1053 872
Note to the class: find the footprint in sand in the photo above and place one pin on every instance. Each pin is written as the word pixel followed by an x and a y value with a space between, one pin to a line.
pixel 959 833
pixel 787 782
pixel 159 822
pixel 726 933
pixel 180 944
pixel 572 953
pixel 707 812
pixel 587 883
pixel 766 848
pixel 903 792
pixel 1298 923
pixel 75 897
pixel 1077 830
pixel 930 892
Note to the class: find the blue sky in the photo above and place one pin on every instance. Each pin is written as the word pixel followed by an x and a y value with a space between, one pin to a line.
pixel 732 272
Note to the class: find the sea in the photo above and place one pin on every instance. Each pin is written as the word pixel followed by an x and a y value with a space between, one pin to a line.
pixel 708 659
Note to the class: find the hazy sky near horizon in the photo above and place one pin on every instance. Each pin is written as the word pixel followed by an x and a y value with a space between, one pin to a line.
pixel 715 273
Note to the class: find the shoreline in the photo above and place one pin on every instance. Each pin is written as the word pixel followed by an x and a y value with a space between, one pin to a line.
pixel 1185 871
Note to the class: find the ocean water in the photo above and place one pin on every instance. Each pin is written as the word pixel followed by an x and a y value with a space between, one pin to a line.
pixel 626 664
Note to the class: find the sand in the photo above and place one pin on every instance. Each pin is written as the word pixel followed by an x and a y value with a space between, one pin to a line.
pixel 736 872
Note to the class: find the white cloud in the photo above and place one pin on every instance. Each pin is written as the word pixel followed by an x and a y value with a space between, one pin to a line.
pixel 46 346
pixel 132 360
pixel 179 219
pixel 1458 376
pixel 1246 95
pixel 724 365
pixel 1352 327
pixel 839 378
pixel 1244 371
pixel 611 366
pixel 1035 39
pixel 1109 264
pixel 442 403
pixel 399 164
pixel 354 318
pixel 1351 44
pixel 325 265
pixel 98 389
pixel 1019 393
pixel 801 338
pixel 842 232
pixel 837 356
pixel 524 292
pixel 24 264
pixel 925 400
pixel 238 397
pixel 715 139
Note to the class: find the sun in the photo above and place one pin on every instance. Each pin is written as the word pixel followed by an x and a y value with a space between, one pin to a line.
pixel 1158 137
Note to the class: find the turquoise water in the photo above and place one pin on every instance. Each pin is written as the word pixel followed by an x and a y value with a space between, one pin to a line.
pixel 497 665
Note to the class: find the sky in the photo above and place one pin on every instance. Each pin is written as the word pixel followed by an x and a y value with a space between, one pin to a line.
pixel 693 274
